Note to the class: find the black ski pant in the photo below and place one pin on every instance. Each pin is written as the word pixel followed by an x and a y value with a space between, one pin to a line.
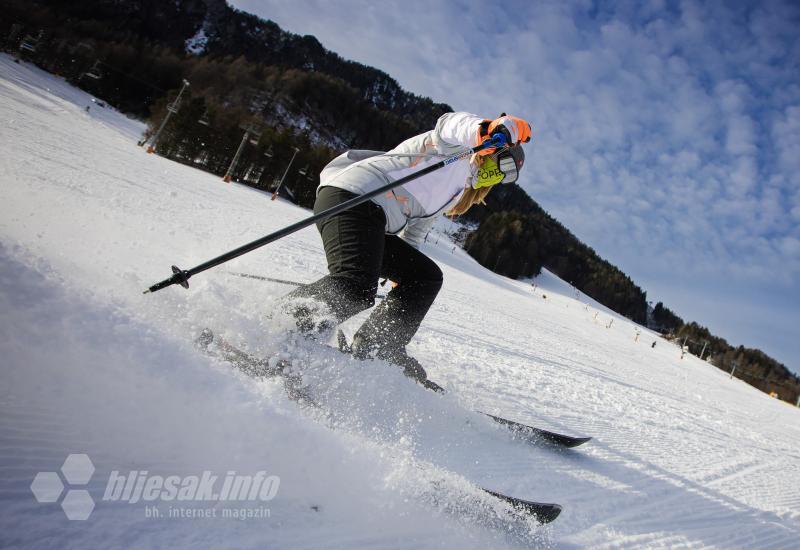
pixel 359 252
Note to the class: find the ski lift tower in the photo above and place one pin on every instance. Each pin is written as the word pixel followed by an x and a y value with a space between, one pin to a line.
pixel 280 183
pixel 252 132
pixel 702 352
pixel 172 108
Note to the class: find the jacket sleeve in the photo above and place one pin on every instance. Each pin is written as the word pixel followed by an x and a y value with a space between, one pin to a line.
pixel 415 231
pixel 459 129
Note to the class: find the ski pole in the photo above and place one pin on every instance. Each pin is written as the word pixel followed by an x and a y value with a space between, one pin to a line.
pixel 181 276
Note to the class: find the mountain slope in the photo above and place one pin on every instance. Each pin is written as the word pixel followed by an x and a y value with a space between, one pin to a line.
pixel 682 455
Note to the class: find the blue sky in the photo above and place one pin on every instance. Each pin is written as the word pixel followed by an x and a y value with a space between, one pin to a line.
pixel 666 134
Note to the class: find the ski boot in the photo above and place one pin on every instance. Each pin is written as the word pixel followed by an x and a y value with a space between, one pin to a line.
pixel 396 356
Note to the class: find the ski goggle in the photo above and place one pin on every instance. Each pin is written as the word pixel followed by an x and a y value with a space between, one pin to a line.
pixel 502 167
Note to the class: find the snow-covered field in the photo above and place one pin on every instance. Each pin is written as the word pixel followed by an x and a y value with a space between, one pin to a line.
pixel 682 455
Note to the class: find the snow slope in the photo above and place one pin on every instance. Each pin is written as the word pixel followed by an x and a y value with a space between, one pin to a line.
pixel 682 455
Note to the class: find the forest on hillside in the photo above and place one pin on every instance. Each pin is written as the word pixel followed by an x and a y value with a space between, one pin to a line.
pixel 298 101
pixel 516 238
pixel 133 55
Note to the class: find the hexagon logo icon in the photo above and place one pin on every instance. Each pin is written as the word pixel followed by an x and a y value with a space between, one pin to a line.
pixel 77 469
pixel 78 504
pixel 47 487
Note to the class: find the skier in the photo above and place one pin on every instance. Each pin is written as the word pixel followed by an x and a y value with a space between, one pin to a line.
pixel 380 238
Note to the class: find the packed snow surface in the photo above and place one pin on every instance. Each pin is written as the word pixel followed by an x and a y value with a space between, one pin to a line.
pixel 682 454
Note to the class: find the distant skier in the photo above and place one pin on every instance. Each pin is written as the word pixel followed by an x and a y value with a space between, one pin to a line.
pixel 381 237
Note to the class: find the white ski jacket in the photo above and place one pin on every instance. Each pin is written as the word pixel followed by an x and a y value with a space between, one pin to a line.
pixel 411 209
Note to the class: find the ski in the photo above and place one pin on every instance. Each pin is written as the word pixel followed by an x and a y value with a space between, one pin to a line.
pixel 537 435
pixel 543 512
pixel 262 368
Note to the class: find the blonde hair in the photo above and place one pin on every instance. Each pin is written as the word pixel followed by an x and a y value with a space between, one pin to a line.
pixel 470 196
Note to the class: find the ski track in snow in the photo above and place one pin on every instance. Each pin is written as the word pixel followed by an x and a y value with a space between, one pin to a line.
pixel 681 456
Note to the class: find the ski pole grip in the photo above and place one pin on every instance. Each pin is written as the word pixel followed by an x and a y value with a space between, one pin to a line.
pixel 498 139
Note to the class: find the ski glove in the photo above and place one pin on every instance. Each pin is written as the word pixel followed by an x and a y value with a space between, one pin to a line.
pixel 516 130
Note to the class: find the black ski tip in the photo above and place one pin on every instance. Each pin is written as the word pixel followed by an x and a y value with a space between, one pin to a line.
pixel 562 440
pixel 538 435
pixel 575 441
pixel 542 511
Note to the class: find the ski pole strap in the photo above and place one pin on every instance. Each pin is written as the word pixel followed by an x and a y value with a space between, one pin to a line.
pixel 181 277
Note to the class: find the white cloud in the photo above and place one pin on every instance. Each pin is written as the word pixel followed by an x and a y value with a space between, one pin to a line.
pixel 741 136
pixel 786 136
pixel 790 246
